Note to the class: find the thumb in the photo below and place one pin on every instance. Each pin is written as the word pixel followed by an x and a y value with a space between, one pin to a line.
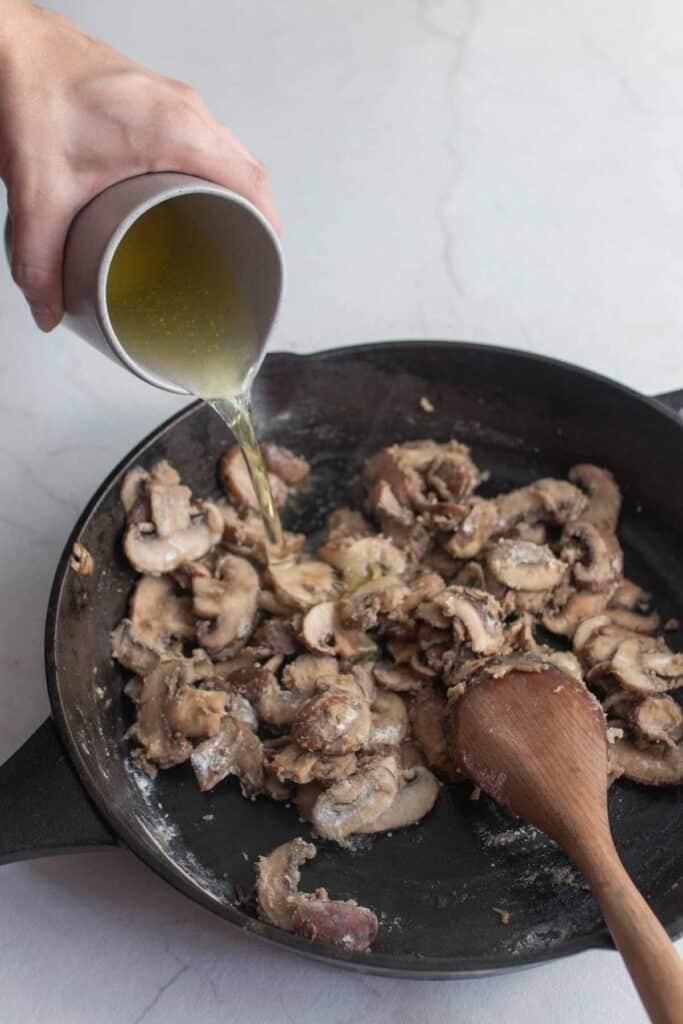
pixel 38 236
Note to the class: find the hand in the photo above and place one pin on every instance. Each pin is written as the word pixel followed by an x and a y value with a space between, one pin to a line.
pixel 76 117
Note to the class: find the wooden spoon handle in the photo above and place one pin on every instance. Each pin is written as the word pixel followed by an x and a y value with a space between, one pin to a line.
pixel 648 952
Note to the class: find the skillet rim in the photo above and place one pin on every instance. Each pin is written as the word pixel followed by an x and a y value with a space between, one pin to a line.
pixel 385 964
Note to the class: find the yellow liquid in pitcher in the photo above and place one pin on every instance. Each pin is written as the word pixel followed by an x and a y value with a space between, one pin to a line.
pixel 178 310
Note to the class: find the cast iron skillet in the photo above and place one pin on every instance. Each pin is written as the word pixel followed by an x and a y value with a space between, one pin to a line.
pixel 435 886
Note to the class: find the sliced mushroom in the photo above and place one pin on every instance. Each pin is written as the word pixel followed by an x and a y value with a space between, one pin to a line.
pixel 275 706
pixel 277 881
pixel 290 468
pixel 157 614
pixel 415 798
pixel 359 559
pixel 292 763
pixel 134 493
pixel 389 721
pixel 339 923
pixel 131 654
pixel 630 596
pixel 322 632
pixel 646 672
pixel 169 506
pixel 333 722
pixel 234 750
pixel 303 584
pixel 196 713
pixel 658 719
pixel 229 602
pixel 346 522
pixel 404 480
pixel 397 521
pixel 473 530
pixel 244 534
pixel 363 607
pixel 633 621
pixel 150 553
pixel 579 605
pixel 276 636
pixel 351 805
pixel 604 497
pixel 452 475
pixel 652 766
pixel 547 500
pixel 520 565
pixel 477 613
pixel 519 635
pixel 594 554
pixel 398 678
pixel 235 480
pixel 428 721
pixel 152 730
pixel 305 673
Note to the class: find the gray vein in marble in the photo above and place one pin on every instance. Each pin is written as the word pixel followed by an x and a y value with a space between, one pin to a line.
pixel 626 87
pixel 457 39
pixel 164 988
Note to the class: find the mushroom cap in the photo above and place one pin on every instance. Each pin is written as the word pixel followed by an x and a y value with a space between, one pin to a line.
pixel 522 565
pixel 362 558
pixel 646 672
pixel 334 722
pixel 479 614
pixel 468 538
pixel 234 750
pixel 658 719
pixel 339 923
pixel 233 474
pixel 604 496
pixel 389 721
pixel 594 553
pixel 351 805
pixel 303 584
pixel 230 602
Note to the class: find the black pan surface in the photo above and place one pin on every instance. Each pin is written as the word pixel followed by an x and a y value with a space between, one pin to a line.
pixel 434 886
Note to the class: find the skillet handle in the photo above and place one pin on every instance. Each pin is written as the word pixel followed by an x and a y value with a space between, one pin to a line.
pixel 44 809
pixel 672 399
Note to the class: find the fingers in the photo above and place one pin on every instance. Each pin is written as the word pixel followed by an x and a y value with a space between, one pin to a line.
pixel 223 158
pixel 38 234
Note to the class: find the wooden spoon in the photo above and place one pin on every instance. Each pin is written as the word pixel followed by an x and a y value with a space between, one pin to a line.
pixel 536 742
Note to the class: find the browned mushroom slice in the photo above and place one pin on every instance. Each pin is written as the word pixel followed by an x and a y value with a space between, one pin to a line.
pixel 363 558
pixel 471 574
pixel 477 613
pixel 237 706
pixel 292 763
pixel 276 707
pixel 306 797
pixel 452 475
pixel 415 798
pixel 628 595
pixel 579 605
pixel 339 923
pixel 245 534
pixel 547 500
pixel 474 529
pixel 658 719
pixel 352 804
pixel 599 645
pixel 150 553
pixel 346 522
pixel 157 613
pixel 277 881
pixel 594 554
pixel 404 480
pixel 428 721
pixel 235 480
pixel 304 584
pixel 152 730
pixel 290 468
pixel 131 654
pixel 604 497
pixel 519 635
pixel 305 673
pixel 322 632
pixel 520 565
pixel 651 766
pixel 362 608
pixel 196 713
pixel 646 672
pixel 134 494
pixel 397 521
pixel 169 508
pixel 234 750
pixel 333 722
pixel 398 678
pixel 276 636
pixel 229 602
pixel 389 721
pixel 633 621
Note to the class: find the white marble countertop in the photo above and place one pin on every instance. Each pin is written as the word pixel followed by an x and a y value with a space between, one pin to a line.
pixel 510 173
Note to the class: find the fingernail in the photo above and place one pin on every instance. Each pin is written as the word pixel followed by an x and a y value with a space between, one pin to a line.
pixel 45 317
